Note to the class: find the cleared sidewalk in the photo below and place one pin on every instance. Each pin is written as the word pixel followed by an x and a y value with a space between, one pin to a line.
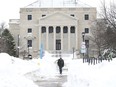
pixel 57 81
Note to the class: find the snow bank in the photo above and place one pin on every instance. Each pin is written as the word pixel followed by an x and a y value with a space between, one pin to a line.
pixel 84 75
pixel 12 70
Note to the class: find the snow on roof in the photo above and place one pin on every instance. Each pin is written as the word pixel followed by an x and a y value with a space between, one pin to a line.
pixel 56 4
pixel 14 21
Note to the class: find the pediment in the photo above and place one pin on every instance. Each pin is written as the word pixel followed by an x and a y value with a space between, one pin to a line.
pixel 58 19
pixel 58 16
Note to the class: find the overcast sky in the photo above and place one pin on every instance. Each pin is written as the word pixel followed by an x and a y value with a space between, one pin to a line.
pixel 10 8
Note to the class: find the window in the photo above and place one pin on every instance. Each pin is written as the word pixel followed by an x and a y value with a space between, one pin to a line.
pixel 43 29
pixel 72 29
pixel 65 29
pixel 86 30
pixel 29 43
pixel 50 29
pixel 29 30
pixel 29 17
pixel 86 17
pixel 72 15
pixel 58 29
pixel 87 43
pixel 43 15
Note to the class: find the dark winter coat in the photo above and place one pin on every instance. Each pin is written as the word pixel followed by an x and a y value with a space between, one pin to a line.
pixel 60 62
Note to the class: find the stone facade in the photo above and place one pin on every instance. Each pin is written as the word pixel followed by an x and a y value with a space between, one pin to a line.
pixel 55 28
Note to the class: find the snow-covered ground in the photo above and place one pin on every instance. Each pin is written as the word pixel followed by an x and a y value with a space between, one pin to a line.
pixel 13 72
pixel 100 75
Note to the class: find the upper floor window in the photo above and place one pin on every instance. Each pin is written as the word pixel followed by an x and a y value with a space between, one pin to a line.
pixel 72 15
pixel 86 17
pixel 29 17
pixel 72 29
pixel 50 29
pixel 43 29
pixel 43 15
pixel 29 30
pixel 65 29
pixel 29 43
pixel 58 29
pixel 86 30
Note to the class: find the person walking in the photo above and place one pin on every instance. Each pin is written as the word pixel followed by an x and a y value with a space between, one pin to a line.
pixel 60 64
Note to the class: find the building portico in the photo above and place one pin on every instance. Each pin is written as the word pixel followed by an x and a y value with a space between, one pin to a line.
pixel 57 33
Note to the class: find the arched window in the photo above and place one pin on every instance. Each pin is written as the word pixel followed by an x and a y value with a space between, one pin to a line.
pixel 72 29
pixel 58 29
pixel 43 29
pixel 50 29
pixel 65 29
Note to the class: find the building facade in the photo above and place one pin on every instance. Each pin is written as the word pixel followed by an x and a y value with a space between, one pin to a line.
pixel 56 29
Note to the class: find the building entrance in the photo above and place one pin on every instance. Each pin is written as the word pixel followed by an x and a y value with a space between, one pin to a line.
pixel 58 44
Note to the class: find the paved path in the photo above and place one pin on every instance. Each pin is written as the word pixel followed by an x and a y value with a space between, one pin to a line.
pixel 52 82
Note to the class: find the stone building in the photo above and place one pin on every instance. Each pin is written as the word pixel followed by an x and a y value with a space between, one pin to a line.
pixel 57 28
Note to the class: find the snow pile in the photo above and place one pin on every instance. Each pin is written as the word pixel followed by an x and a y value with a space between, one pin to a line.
pixel 12 70
pixel 84 75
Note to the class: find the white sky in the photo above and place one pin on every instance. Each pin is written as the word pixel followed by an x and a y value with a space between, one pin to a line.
pixel 10 8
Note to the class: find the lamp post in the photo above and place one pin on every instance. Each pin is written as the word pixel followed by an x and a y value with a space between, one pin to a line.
pixel 87 46
pixel 73 52
pixel 83 35
pixel 28 50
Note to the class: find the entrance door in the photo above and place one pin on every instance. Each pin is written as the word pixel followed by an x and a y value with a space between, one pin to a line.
pixel 58 44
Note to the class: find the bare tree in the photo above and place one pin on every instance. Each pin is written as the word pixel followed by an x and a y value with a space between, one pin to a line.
pixel 97 35
pixel 108 13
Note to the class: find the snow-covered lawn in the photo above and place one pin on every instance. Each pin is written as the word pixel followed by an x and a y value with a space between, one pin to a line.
pixel 99 75
pixel 13 72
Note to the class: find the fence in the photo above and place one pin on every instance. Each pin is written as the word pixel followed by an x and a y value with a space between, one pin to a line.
pixel 93 60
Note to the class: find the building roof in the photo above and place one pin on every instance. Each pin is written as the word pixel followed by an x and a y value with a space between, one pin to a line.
pixel 56 4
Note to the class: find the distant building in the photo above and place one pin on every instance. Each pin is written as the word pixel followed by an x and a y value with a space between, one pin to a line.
pixel 57 28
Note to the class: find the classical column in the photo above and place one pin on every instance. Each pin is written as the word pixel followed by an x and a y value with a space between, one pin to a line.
pixel 61 37
pixel 47 31
pixel 54 30
pixel 76 30
pixel 40 37
pixel 68 37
